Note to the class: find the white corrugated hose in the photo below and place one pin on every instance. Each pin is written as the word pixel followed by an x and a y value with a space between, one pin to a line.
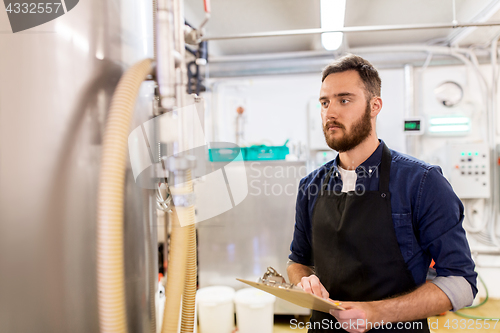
pixel 110 261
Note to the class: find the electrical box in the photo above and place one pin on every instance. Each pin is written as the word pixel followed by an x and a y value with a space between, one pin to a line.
pixel 469 170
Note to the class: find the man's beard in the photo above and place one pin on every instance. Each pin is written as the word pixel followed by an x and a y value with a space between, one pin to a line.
pixel 359 132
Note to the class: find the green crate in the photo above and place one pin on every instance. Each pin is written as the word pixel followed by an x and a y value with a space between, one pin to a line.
pixel 224 154
pixel 265 153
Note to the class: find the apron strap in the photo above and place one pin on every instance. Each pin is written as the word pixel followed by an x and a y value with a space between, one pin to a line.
pixel 327 179
pixel 385 170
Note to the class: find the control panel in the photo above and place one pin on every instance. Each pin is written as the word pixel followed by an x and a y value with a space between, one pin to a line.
pixel 470 170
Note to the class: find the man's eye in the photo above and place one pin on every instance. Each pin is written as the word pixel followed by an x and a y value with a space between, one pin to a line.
pixel 344 101
pixel 324 104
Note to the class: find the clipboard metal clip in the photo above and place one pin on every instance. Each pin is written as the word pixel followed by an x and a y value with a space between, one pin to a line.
pixel 274 279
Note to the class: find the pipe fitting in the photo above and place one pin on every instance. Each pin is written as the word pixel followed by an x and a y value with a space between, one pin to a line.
pixel 179 167
pixel 179 163
pixel 183 200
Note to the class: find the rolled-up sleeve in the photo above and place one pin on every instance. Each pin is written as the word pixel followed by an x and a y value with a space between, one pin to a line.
pixel 458 290
pixel 301 251
pixel 439 214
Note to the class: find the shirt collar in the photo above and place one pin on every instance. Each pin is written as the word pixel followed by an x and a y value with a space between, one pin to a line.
pixel 368 165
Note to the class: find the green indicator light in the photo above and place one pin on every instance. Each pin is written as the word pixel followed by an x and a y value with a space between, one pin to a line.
pixel 470 154
pixel 463 154
pixel 412 125
pixel 477 153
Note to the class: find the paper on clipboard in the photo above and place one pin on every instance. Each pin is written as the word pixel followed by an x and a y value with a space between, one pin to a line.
pixel 296 296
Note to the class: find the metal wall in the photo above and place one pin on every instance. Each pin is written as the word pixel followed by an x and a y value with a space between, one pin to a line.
pixel 56 82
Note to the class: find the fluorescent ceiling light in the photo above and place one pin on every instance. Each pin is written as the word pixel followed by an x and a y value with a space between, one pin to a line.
pixel 449 121
pixel 332 17
pixel 449 128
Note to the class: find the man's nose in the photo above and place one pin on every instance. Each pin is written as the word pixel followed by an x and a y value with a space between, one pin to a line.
pixel 331 112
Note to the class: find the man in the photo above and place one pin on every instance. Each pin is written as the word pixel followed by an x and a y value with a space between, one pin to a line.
pixel 369 222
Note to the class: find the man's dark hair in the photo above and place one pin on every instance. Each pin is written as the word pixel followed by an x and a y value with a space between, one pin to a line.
pixel 366 71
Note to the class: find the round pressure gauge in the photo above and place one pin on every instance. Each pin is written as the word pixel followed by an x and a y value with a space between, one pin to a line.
pixel 449 93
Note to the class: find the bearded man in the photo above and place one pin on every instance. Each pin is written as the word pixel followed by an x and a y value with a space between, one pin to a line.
pixel 369 222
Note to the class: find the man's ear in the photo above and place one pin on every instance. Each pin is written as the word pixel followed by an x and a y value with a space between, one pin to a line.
pixel 376 106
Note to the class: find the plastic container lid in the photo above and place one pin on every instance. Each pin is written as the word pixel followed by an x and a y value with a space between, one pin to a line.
pixel 251 296
pixel 215 294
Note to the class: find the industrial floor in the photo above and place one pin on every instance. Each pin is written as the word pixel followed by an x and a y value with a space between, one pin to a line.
pixel 456 323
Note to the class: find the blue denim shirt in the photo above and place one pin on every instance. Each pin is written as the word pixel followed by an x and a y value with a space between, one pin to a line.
pixel 426 213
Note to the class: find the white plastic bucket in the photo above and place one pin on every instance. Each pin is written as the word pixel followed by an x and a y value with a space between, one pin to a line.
pixel 254 311
pixel 215 309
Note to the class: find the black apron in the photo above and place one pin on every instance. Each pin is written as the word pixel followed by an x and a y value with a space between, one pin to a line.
pixel 355 249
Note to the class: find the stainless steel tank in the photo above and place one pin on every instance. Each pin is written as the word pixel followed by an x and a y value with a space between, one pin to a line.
pixel 56 82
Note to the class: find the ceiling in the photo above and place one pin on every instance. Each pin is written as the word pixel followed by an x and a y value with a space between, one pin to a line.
pixel 229 17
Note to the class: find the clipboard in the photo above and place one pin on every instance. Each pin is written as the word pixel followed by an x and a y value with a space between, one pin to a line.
pixel 275 284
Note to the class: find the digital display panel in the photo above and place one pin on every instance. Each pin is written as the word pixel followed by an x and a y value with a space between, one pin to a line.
pixel 412 125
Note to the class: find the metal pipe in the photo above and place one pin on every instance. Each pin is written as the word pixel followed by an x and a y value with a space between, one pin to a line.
pixel 409 103
pixel 486 13
pixel 492 252
pixel 152 255
pixel 454 8
pixel 181 275
pixel 494 70
pixel 409 90
pixel 459 53
pixel 181 77
pixel 492 121
pixel 324 53
pixel 486 266
pixel 165 74
pixel 372 28
pixel 155 8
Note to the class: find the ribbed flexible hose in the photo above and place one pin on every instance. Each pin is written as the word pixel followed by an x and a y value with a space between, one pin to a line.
pixel 110 262
pixel 176 273
pixel 152 256
pixel 181 269
pixel 188 301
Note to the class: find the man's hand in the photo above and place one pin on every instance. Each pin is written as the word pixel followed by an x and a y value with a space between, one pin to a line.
pixel 356 315
pixel 312 285
pixel 427 300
